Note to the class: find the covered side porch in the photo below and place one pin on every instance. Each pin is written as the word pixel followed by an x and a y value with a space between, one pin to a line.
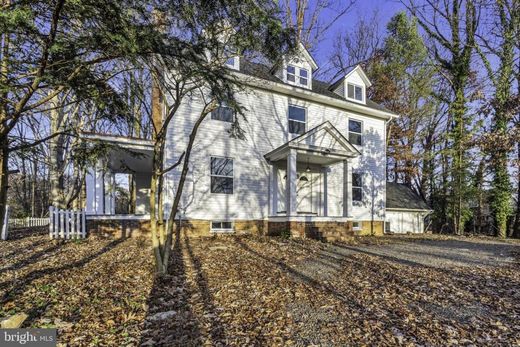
pixel 300 185
pixel 118 185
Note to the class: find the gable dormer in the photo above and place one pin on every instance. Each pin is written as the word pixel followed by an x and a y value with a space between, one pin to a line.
pixel 298 69
pixel 353 86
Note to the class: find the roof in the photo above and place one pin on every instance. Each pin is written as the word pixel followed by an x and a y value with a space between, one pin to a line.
pixel 324 139
pixel 399 196
pixel 319 87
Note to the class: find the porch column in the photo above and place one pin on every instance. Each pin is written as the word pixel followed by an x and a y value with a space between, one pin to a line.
pixel 290 193
pixel 347 189
pixel 274 190
pixel 325 171
pixel 95 189
pixel 109 193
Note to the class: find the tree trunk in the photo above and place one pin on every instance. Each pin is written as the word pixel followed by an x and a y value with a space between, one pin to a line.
pixel 33 188
pixel 4 176
pixel 56 161
pixel 516 227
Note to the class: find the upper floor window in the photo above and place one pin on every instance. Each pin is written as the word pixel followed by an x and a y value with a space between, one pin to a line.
pixel 357 186
pixel 297 119
pixel 297 75
pixel 355 130
pixel 354 92
pixel 223 113
pixel 221 175
pixel 232 62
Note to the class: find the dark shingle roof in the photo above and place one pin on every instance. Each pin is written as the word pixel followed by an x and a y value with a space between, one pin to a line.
pixel 400 196
pixel 318 87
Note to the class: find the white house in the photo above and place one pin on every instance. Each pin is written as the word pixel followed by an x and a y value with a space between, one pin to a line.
pixel 312 161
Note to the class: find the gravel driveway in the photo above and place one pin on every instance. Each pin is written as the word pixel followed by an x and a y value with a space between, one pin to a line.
pixel 439 253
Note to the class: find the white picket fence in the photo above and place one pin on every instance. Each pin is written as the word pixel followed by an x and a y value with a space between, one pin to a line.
pixel 28 222
pixel 67 224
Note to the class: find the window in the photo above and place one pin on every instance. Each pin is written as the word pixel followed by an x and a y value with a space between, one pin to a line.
pixel 357 187
pixel 356 225
pixel 291 73
pixel 298 76
pixel 223 113
pixel 304 77
pixel 221 175
pixel 354 92
pixel 221 226
pixel 296 120
pixel 355 132
pixel 231 62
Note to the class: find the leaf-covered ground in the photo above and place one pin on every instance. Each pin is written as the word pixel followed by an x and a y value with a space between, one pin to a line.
pixel 94 291
pixel 266 291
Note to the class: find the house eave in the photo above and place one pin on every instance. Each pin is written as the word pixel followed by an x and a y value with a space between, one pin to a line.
pixel 127 142
pixel 281 88
pixel 401 209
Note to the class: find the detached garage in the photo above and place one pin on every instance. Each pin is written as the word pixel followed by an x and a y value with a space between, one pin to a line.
pixel 405 210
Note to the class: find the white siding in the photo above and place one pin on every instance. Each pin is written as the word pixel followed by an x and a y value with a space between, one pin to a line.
pixel 405 222
pixel 265 126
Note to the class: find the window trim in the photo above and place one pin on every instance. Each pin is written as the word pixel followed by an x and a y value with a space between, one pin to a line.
pixel 360 134
pixel 297 76
pixel 295 120
pixel 357 187
pixel 363 93
pixel 220 120
pixel 221 230
pixel 211 174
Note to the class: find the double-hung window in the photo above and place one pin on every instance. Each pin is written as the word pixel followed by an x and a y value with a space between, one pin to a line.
pixel 291 73
pixel 354 92
pixel 223 113
pixel 297 119
pixel 357 187
pixel 297 75
pixel 355 132
pixel 221 175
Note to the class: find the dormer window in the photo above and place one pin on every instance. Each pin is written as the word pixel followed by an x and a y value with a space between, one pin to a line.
pixel 355 92
pixel 298 76
pixel 291 74
pixel 232 63
pixel 232 59
pixel 304 77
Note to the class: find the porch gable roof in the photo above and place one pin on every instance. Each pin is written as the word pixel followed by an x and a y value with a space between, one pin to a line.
pixel 323 140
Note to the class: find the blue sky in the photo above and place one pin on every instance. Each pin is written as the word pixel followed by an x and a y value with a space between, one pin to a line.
pixel 361 9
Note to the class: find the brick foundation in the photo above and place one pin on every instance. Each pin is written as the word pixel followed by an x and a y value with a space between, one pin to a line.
pixel 321 230
pixel 328 231
pixel 118 227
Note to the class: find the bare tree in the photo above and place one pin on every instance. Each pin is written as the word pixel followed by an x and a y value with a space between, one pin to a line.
pixel 311 20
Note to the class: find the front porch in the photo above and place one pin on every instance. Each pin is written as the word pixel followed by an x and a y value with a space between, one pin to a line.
pixel 299 184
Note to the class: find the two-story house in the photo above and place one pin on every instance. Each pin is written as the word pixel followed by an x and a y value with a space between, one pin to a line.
pixel 312 160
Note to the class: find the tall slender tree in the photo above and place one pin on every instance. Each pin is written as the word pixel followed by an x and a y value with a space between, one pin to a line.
pixel 506 28
pixel 451 27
